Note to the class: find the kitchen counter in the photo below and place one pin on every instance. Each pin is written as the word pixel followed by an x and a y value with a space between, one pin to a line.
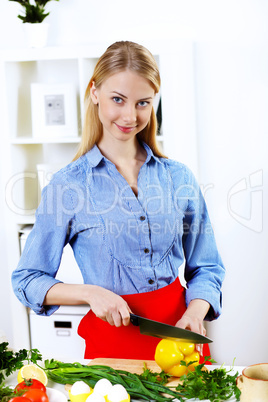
pixel 12 380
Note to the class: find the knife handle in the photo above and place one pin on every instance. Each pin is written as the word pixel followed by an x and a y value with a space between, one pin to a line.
pixel 134 319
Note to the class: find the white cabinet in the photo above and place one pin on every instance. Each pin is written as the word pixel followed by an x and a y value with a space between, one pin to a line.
pixel 57 336
pixel 22 152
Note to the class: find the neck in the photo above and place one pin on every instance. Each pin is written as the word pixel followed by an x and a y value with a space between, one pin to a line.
pixel 120 151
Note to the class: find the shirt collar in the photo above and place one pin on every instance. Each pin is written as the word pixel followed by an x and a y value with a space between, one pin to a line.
pixel 150 154
pixel 94 155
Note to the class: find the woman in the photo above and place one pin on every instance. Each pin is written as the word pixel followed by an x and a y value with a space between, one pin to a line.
pixel 132 217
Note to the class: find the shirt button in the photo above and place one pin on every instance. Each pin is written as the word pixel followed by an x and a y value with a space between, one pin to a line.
pixel 142 218
pixel 150 281
pixel 146 250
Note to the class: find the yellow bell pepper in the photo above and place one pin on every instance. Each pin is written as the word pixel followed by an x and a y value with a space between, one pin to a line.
pixel 169 354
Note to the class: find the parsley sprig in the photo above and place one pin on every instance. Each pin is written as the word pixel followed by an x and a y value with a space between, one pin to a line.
pixel 216 385
pixel 149 375
pixel 11 361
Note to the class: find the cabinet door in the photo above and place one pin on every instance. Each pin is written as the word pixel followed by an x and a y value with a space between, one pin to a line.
pixel 56 336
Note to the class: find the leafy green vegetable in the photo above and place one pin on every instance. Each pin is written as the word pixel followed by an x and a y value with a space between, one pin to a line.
pixel 11 361
pixel 139 386
pixel 5 393
pixel 216 385
pixel 160 378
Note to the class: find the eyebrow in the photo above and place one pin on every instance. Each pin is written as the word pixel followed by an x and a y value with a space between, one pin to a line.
pixel 124 96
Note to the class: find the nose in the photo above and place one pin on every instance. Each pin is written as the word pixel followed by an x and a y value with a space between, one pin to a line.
pixel 130 114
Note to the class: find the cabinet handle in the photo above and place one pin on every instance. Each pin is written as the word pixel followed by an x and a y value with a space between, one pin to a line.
pixel 62 324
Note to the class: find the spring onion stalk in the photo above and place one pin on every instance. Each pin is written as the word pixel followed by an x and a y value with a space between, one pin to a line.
pixel 135 384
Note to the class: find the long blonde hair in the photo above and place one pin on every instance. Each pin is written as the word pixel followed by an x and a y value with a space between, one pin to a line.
pixel 119 57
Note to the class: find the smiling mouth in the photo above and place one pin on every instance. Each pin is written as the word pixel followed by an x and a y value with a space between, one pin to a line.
pixel 125 129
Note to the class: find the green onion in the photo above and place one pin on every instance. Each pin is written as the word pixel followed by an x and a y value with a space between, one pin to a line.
pixel 135 384
pixel 216 385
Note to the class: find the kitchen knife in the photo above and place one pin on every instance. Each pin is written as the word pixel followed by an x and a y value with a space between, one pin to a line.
pixel 165 331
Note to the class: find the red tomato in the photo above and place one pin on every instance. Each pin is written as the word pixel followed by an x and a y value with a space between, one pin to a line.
pixel 35 395
pixel 19 399
pixel 29 384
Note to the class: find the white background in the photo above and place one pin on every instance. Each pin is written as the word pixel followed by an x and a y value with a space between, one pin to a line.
pixel 231 87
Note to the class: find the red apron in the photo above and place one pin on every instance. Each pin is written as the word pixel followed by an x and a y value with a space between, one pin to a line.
pixel 103 340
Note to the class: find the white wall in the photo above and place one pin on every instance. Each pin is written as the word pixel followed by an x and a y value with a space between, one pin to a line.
pixel 232 99
pixel 231 70
pixel 82 21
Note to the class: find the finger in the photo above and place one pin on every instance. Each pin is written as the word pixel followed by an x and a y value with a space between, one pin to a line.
pixel 199 349
pixel 110 318
pixel 125 314
pixel 125 318
pixel 117 319
pixel 182 323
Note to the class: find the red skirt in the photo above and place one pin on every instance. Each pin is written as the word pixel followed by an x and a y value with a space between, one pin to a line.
pixel 166 305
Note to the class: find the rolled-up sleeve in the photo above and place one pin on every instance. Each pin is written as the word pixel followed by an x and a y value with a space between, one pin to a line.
pixel 204 270
pixel 40 260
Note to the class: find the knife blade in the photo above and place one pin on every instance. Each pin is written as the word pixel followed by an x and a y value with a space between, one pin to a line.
pixel 165 331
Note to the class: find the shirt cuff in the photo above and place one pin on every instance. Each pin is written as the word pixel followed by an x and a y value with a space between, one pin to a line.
pixel 211 295
pixel 38 289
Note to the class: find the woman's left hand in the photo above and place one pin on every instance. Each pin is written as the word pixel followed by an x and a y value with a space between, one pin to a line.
pixel 193 318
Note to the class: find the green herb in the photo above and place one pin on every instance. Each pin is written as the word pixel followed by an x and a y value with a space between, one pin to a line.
pixel 11 361
pixel 139 386
pixel 6 393
pixel 216 385
pixel 149 375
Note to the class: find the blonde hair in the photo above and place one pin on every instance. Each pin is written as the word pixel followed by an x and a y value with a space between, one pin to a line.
pixel 119 57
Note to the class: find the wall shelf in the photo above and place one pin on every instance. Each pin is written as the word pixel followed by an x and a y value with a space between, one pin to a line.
pixel 34 141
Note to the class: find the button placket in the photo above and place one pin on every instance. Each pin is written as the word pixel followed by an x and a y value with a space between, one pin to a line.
pixel 139 213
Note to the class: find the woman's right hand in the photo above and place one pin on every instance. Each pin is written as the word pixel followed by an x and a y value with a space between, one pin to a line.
pixel 105 304
pixel 108 306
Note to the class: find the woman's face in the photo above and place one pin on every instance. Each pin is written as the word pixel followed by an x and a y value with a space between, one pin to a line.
pixel 125 102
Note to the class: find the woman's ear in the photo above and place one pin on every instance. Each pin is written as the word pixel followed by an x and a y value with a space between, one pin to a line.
pixel 94 93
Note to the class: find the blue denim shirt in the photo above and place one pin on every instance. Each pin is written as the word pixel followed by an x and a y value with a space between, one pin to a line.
pixel 124 243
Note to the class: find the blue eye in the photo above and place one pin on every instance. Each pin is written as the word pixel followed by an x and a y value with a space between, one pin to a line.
pixel 116 99
pixel 143 103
